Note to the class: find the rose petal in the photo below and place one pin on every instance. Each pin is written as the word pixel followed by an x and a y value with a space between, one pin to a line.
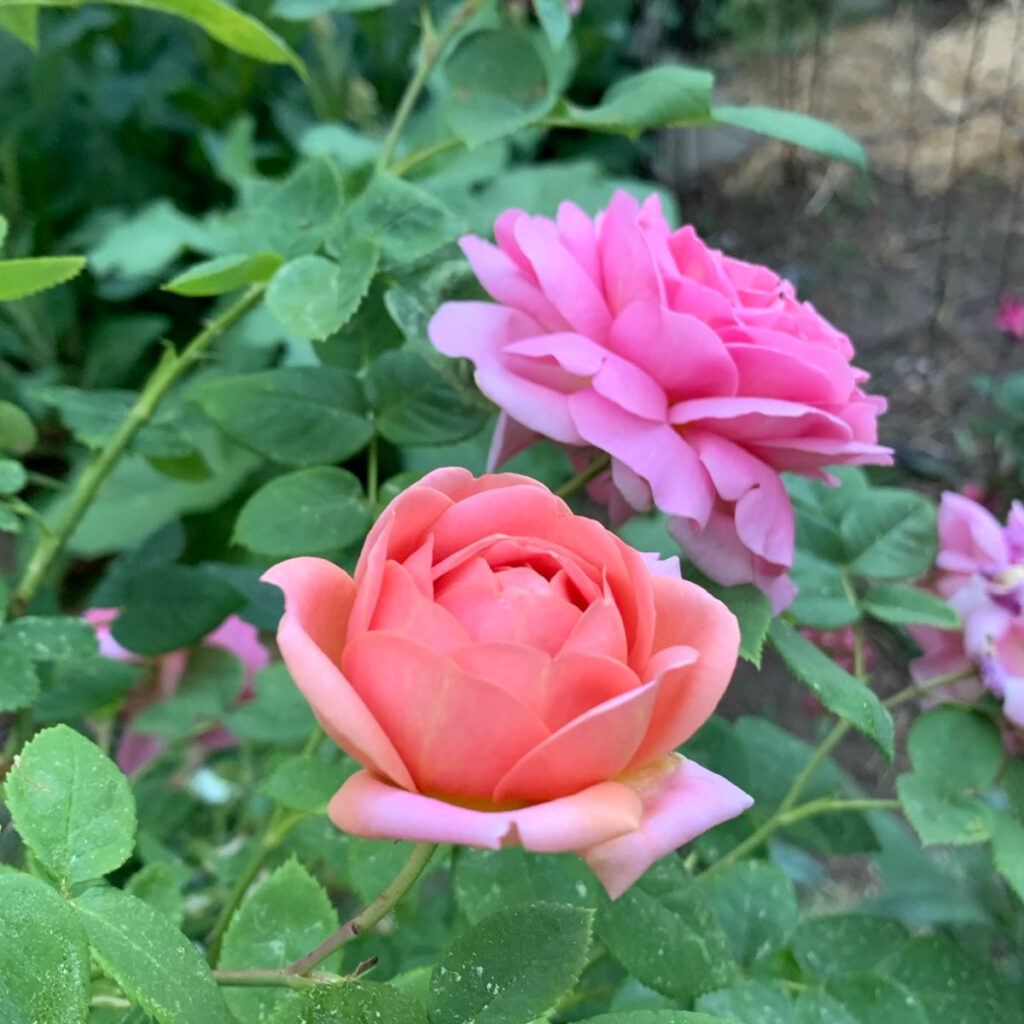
pixel 457 733
pixel 367 806
pixel 589 749
pixel 318 599
pixel 402 608
pixel 687 802
pixel 688 616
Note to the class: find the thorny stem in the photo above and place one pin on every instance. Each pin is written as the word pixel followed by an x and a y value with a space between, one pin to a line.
pixel 379 908
pixel 788 813
pixel 783 819
pixel 169 370
pixel 300 974
pixel 281 823
pixel 584 476
pixel 432 46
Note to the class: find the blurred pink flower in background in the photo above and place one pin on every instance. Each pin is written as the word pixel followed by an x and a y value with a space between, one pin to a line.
pixel 135 750
pixel 703 377
pixel 980 572
pixel 1010 318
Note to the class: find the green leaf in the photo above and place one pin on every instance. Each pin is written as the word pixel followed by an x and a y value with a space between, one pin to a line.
pixel 487 880
pixel 12 476
pixel 658 1017
pixel 799 129
pixel 497 82
pixel 277 714
pixel 224 274
pixel 414 404
pixel 751 608
pixel 21 278
pixel 17 431
pixel 404 221
pixel 309 512
pixel 840 692
pixel 82 686
pixel 355 1002
pixel 149 958
pixel 45 955
pixel 901 605
pixel 157 885
pixel 237 31
pixel 23 24
pixel 173 606
pixel 756 906
pixel 953 985
pixel 301 415
pixel 1008 849
pixel 51 637
pixel 843 944
pixel 940 810
pixel 312 296
pixel 661 97
pixel 555 19
pixel 891 535
pixel 976 740
pixel 823 600
pixel 753 1002
pixel 307 783
pixel 294 216
pixel 511 967
pixel 19 684
pixel 71 805
pixel 816 1007
pixel 664 931
pixel 95 415
pixel 875 999
pixel 280 920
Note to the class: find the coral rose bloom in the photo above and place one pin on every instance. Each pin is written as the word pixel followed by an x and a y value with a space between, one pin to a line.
pixel 702 376
pixel 510 673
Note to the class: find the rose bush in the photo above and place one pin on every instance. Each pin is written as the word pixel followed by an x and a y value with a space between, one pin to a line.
pixel 507 672
pixel 980 572
pixel 135 749
pixel 703 377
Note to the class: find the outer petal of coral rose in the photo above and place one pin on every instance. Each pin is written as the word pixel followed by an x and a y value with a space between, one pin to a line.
pixel 367 806
pixel 458 733
pixel 596 746
pixel 688 616
pixel 318 598
pixel 690 801
pixel 654 451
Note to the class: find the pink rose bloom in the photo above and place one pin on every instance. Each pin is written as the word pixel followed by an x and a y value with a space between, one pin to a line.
pixel 511 674
pixel 1010 318
pixel 702 376
pixel 980 572
pixel 234 635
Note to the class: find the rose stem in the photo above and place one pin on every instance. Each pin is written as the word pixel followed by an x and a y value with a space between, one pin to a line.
pixel 168 371
pixel 584 476
pixel 787 814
